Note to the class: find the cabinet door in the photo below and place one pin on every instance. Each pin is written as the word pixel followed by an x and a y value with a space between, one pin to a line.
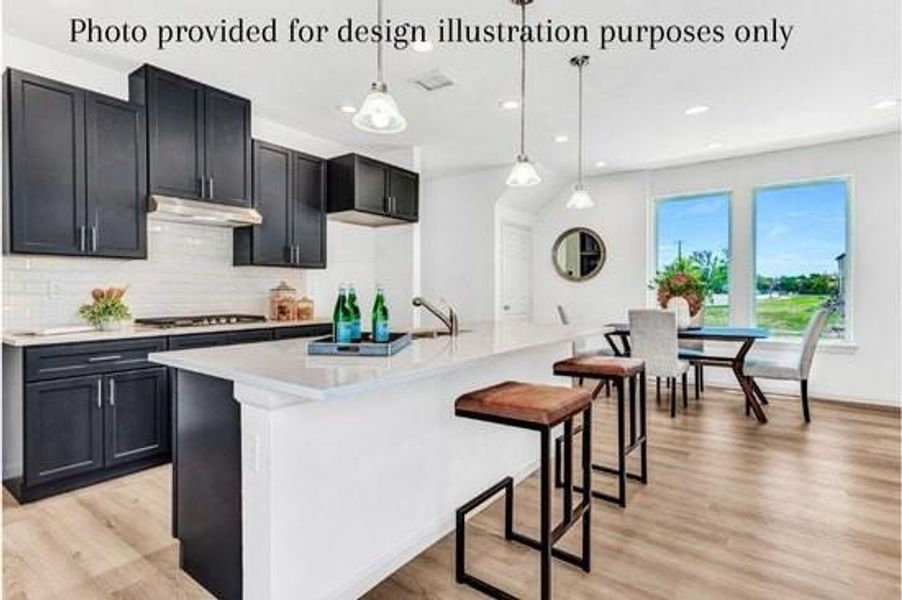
pixel 136 415
pixel 63 428
pixel 116 178
pixel 371 182
pixel 228 147
pixel 47 174
pixel 309 211
pixel 175 133
pixel 272 199
pixel 404 193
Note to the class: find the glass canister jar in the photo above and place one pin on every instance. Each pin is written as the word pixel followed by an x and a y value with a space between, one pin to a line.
pixel 282 303
pixel 304 311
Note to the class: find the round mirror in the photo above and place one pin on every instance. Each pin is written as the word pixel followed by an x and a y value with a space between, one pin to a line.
pixel 579 254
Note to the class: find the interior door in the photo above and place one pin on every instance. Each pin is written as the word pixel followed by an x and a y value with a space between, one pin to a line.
pixel 272 199
pixel 116 177
pixel 136 415
pixel 175 135
pixel 47 193
pixel 227 147
pixel 516 271
pixel 309 211
pixel 63 428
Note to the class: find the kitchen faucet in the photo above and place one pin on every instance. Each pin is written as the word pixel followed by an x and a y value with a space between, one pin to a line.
pixel 449 320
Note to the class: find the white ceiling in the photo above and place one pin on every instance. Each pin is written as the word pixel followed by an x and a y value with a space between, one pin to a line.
pixel 844 57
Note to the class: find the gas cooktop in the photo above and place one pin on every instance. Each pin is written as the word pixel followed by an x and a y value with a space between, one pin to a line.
pixel 199 321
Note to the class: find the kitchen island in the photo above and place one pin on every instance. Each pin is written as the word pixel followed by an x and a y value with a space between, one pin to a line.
pixel 330 473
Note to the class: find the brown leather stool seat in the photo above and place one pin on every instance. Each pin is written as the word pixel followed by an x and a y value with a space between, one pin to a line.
pixel 538 408
pixel 514 402
pixel 599 366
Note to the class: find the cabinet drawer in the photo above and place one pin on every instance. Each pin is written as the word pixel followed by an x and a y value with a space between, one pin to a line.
pixel 304 331
pixel 71 360
pixel 208 340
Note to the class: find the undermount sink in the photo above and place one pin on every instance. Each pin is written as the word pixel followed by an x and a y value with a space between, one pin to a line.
pixel 434 333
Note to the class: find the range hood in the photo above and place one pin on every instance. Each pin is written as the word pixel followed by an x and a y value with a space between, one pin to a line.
pixel 167 208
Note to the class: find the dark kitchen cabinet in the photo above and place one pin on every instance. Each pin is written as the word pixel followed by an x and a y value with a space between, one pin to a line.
pixel 63 428
pixel 290 194
pixel 199 138
pixel 116 181
pixel 136 415
pixel 75 172
pixel 368 192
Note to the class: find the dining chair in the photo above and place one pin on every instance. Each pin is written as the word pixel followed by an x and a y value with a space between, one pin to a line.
pixel 580 348
pixel 792 367
pixel 653 338
pixel 690 350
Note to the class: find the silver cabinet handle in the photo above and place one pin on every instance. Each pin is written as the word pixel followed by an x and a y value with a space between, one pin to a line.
pixel 211 189
pixel 106 358
pixel 297 255
pixel 203 187
pixel 99 394
pixel 93 238
pixel 112 392
pixel 81 238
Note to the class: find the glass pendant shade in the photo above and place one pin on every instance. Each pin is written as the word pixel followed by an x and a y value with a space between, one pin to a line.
pixel 379 113
pixel 580 199
pixel 523 174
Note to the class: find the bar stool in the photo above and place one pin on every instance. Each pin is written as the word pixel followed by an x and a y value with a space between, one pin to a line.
pixel 618 371
pixel 538 408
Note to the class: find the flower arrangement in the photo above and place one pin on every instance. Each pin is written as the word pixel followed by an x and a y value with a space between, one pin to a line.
pixel 107 307
pixel 681 278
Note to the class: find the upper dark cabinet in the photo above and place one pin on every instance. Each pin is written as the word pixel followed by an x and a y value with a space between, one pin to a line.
pixel 290 194
pixel 199 138
pixel 369 192
pixel 76 171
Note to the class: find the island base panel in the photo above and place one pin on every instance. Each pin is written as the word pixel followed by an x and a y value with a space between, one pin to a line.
pixel 207 477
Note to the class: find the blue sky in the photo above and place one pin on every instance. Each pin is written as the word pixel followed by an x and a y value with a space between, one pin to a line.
pixel 800 229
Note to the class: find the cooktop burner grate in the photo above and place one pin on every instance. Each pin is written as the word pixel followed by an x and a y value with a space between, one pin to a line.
pixel 199 321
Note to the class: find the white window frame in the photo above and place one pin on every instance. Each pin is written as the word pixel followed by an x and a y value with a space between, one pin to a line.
pixel 848 181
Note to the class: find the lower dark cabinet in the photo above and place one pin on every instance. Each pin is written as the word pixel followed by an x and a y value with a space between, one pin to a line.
pixel 63 428
pixel 136 415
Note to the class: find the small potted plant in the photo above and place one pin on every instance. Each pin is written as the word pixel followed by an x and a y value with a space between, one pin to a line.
pixel 681 278
pixel 107 310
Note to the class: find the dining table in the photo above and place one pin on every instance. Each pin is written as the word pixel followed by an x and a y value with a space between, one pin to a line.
pixel 744 336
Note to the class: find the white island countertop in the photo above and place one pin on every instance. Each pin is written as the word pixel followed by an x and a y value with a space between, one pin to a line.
pixel 284 367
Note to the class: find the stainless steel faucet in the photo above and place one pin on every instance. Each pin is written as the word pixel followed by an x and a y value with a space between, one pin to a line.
pixel 449 320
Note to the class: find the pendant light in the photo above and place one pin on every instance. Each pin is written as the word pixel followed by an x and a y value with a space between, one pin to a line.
pixel 379 113
pixel 524 173
pixel 580 199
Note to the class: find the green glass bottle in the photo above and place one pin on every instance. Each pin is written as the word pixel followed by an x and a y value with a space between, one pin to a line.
pixel 356 330
pixel 381 331
pixel 341 318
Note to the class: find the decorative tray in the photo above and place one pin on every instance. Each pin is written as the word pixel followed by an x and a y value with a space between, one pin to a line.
pixel 327 346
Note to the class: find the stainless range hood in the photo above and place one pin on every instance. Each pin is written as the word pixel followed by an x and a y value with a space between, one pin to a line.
pixel 167 208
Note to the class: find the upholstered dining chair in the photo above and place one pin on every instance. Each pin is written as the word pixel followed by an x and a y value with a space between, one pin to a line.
pixel 653 338
pixel 690 350
pixel 793 367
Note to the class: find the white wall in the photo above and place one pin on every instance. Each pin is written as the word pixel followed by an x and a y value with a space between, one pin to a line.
pixel 189 268
pixel 868 370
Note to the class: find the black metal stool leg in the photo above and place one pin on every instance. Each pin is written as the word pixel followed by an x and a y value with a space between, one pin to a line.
pixel 587 488
pixel 621 442
pixel 643 451
pixel 568 470
pixel 545 516
pixel 632 410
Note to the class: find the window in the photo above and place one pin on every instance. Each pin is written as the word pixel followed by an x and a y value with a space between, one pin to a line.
pixel 801 255
pixel 693 233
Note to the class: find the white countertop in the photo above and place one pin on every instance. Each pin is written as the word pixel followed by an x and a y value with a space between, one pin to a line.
pixel 285 368
pixel 21 339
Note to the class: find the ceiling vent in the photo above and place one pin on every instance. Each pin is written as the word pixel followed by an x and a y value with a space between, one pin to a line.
pixel 433 80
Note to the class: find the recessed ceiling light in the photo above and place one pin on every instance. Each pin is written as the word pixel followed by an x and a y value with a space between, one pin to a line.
pixel 884 104
pixel 696 110
pixel 601 164
pixel 424 46
pixel 561 138
pixel 715 146
pixel 347 109
pixel 509 105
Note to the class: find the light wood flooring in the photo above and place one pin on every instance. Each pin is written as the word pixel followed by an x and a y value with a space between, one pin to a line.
pixel 734 510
